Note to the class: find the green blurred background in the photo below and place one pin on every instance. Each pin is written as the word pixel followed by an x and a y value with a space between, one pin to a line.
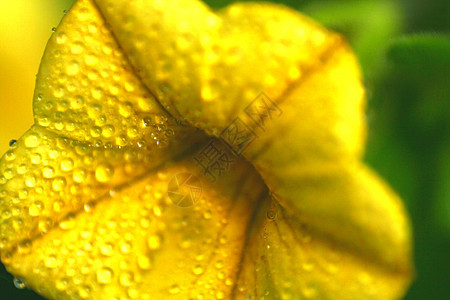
pixel 404 50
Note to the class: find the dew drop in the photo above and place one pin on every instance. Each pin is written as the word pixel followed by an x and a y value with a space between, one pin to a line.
pixel 107 249
pixel 8 174
pixel 68 222
pixel 133 293
pixel 10 156
pixel 36 158
pixel 30 181
pixel 126 109
pixel 309 292
pixel 174 289
pixel 219 264
pixel 23 194
pixel 84 292
pixel 125 248
pixel 104 275
pixel 157 211
pixel 308 266
pixel 207 214
pixel 108 131
pixel 12 143
pixel 51 262
pixel 144 262
pixel 24 247
pixel 285 295
pixel 126 279
pixel 19 283
pixel 104 173
pixel 22 169
pixel 58 93
pixel 271 214
pixel 154 242
pixel 77 48
pixel 67 165
pixel 145 223
pixel 53 29
pixel 72 68
pixel 48 172
pixel 62 284
pixel 58 205
pixel 220 295
pixel 6 214
pixel 44 225
pixel 197 270
pixel 79 175
pixel 146 122
pixel 36 208
pixel 58 184
pixel 32 140
pixel 61 38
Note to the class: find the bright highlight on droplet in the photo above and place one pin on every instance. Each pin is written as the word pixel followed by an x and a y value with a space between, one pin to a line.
pixel 104 275
pixel 104 173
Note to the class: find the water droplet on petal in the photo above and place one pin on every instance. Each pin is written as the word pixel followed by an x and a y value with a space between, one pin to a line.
pixel 104 173
pixel 197 270
pixel 104 275
pixel 24 247
pixel 144 262
pixel 48 172
pixel 309 292
pixel 220 295
pixel 107 249
pixel 68 222
pixel 51 262
pixel 32 140
pixel 174 289
pixel 67 165
pixel 58 184
pixel 36 208
pixel 271 214
pixel 19 283
pixel 30 181
pixel 79 175
pixel 126 279
pixel 154 242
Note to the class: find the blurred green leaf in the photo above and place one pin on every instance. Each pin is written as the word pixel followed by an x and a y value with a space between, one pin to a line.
pixel 426 50
pixel 441 208
pixel 423 63
pixel 369 25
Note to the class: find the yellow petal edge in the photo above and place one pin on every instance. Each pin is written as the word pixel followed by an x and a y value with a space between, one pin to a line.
pixel 128 92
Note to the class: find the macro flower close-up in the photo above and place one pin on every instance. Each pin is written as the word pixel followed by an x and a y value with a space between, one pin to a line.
pixel 184 152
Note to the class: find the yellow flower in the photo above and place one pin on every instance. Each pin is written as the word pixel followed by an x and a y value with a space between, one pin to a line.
pixel 126 95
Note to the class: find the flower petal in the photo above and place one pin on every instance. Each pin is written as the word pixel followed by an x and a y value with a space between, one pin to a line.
pixel 209 67
pixel 82 147
pixel 46 178
pixel 345 235
pixel 137 244
pixel 87 91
